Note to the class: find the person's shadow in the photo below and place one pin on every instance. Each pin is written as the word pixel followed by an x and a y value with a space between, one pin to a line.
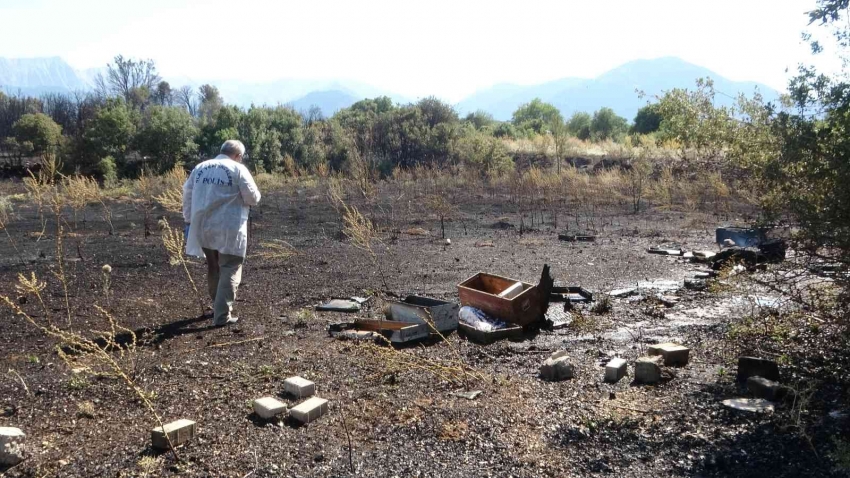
pixel 146 336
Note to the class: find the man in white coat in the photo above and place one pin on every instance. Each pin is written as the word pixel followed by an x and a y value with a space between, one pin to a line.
pixel 216 200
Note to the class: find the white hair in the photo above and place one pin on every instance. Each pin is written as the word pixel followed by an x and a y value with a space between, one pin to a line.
pixel 232 148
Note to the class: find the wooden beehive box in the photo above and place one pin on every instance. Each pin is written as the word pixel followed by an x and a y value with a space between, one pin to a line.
pixel 422 310
pixel 482 292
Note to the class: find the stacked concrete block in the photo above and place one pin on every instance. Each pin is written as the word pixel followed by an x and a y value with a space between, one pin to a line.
pixel 674 354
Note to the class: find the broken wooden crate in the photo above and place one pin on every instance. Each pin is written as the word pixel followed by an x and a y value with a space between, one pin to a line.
pixel 423 310
pixel 520 307
pixel 489 336
pixel 396 332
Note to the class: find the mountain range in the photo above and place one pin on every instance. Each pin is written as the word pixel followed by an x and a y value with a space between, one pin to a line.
pixel 616 88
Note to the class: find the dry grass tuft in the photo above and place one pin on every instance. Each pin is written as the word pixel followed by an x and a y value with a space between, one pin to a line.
pixel 175 245
pixel 276 249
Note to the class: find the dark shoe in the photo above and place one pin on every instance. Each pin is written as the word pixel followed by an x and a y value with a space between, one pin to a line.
pixel 230 321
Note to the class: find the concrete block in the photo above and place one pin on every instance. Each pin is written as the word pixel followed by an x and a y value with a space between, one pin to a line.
pixel 268 407
pixel 299 387
pixel 11 446
pixel 179 431
pixel 615 370
pixel 309 410
pixel 648 369
pixel 674 354
pixel 753 366
pixel 557 369
pixel 761 387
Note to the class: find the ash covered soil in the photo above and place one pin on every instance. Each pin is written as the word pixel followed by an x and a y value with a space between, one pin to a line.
pixel 401 420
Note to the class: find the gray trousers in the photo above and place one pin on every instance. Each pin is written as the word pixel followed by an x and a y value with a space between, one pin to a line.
pixel 224 273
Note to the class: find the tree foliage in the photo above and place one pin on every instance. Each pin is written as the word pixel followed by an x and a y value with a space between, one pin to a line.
pixel 607 125
pixel 579 125
pixel 536 116
pixel 40 131
pixel 647 119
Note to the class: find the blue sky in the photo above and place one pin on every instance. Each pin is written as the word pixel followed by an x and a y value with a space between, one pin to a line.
pixel 445 47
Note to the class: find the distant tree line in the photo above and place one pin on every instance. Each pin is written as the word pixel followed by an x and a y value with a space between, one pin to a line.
pixel 134 120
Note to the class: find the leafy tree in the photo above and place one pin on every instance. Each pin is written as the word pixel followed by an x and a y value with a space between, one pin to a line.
pixel 536 116
pixel 210 101
pixel 579 125
pixel 809 173
pixel 560 138
pixel 435 112
pixel 109 133
pixel 607 125
pixel 163 95
pixel 39 130
pixel 505 130
pixel 133 80
pixel 692 120
pixel 647 120
pixel 167 137
pixel 481 120
pixel 483 152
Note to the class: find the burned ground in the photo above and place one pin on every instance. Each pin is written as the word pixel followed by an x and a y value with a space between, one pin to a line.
pixel 402 420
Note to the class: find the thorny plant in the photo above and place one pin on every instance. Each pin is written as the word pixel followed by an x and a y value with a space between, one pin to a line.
pixel 81 347
pixel 5 218
pixel 171 199
pixel 363 236
pixel 41 187
pixel 149 465
pixel 57 205
pixel 146 188
pixel 175 245
pixel 106 271
pixel 276 249
pixel 430 321
pixel 80 191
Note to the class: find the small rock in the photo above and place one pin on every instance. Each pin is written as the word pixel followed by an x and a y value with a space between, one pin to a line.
pixel 468 395
pixel 448 242
pixel 668 300
pixel 622 292
pixel 11 446
pixel 751 405
pixel 753 366
pixel 557 368
pixel 695 284
pixel 648 370
pixel 615 370
pixel 340 305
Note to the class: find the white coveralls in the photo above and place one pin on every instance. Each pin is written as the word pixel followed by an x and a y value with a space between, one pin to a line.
pixel 216 200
